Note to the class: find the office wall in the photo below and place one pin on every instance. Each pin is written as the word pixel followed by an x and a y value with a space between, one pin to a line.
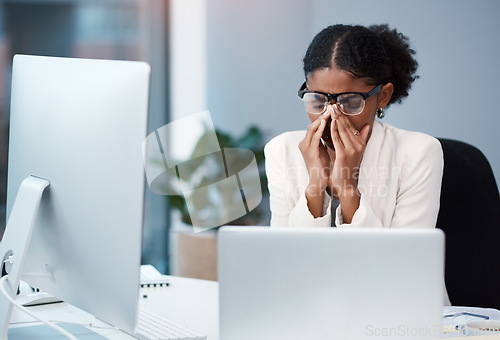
pixel 254 62
pixel 188 61
pixel 254 51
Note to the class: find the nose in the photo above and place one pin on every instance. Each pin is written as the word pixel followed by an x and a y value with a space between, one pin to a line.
pixel 329 107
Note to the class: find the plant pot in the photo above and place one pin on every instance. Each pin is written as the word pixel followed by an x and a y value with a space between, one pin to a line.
pixel 194 254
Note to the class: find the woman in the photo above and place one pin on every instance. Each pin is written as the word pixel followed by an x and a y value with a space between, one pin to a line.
pixel 347 168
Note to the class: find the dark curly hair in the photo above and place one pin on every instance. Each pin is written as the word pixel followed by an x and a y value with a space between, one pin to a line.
pixel 377 53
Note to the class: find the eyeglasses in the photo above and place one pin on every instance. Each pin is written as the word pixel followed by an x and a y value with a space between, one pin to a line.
pixel 350 103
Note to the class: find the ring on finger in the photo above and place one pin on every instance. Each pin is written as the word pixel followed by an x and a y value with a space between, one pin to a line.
pixel 356 133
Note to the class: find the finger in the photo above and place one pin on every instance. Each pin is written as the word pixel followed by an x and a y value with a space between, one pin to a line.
pixel 312 130
pixel 319 132
pixel 337 141
pixel 348 133
pixel 345 134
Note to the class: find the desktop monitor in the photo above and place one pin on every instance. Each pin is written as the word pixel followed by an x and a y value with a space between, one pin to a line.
pixel 79 124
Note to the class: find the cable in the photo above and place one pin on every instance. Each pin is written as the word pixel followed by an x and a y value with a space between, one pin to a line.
pixel 89 325
pixel 25 310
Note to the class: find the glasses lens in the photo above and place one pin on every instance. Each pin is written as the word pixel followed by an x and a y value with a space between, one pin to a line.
pixel 314 102
pixel 351 104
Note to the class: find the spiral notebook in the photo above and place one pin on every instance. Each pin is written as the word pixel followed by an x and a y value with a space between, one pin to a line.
pixel 151 277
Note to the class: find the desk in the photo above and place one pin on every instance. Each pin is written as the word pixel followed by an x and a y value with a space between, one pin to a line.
pixel 190 302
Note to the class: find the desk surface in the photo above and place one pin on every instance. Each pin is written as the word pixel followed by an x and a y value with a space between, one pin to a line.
pixel 190 302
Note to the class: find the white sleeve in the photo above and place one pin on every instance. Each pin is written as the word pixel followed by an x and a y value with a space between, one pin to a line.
pixel 417 204
pixel 288 208
pixel 363 217
pixel 300 216
pixel 417 201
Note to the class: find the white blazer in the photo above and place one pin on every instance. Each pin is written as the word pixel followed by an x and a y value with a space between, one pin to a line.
pixel 399 181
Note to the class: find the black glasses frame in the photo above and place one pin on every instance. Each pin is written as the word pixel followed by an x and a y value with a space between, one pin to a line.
pixel 334 96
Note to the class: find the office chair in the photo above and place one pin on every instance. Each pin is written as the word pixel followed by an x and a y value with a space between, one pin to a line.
pixel 469 215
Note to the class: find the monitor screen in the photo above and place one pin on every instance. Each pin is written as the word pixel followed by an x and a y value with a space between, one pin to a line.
pixel 80 124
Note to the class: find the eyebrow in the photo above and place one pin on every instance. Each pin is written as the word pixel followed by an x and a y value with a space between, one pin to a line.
pixel 365 95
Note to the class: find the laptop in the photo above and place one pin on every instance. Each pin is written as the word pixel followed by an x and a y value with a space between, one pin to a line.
pixel 287 283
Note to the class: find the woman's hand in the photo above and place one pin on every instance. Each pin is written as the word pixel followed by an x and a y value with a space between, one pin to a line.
pixel 317 163
pixel 349 146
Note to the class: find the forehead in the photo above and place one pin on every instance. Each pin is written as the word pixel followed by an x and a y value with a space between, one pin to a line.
pixel 333 80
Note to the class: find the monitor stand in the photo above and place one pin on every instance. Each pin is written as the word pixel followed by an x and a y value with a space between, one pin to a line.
pixel 16 240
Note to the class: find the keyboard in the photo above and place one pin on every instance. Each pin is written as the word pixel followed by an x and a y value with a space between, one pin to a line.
pixel 151 326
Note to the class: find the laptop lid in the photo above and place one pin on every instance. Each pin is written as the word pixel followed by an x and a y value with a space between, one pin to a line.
pixel 282 283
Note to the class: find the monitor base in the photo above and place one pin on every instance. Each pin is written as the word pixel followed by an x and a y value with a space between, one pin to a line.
pixel 16 240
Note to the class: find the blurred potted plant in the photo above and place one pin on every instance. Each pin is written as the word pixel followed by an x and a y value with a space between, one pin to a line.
pixel 196 253
pixel 253 140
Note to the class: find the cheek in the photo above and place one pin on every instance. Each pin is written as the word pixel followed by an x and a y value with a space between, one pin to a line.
pixel 366 117
pixel 312 117
pixel 370 108
pixel 358 121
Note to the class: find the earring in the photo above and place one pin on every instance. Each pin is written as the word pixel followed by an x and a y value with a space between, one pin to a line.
pixel 380 112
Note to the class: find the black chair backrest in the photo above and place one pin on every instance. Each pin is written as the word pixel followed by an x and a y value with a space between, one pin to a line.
pixel 470 217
